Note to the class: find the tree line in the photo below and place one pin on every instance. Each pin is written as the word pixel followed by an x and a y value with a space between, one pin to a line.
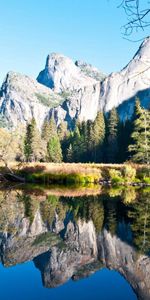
pixel 105 140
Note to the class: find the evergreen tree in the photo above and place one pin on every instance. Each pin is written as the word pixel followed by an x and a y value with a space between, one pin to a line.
pixel 140 148
pixel 98 137
pixel 124 139
pixel 83 142
pixel 64 137
pixel 54 153
pixel 62 131
pixel 89 140
pixel 76 144
pixel 33 149
pixel 69 154
pixel 51 139
pixel 49 129
pixel 112 136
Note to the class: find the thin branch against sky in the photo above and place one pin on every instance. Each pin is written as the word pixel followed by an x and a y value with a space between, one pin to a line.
pixel 138 16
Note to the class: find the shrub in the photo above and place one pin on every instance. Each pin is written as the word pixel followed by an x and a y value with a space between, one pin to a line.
pixel 144 173
pixel 146 180
pixel 115 176
pixel 129 173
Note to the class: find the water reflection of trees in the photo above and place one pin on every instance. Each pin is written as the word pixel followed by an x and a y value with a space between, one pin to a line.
pixel 139 215
pixel 107 210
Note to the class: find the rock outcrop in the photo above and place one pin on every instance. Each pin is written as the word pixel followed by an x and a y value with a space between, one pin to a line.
pixel 78 83
pixel 22 98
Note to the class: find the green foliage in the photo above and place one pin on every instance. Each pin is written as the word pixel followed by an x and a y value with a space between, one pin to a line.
pixel 98 137
pixel 48 100
pixel 46 239
pixel 33 149
pixel 44 99
pixel 49 129
pixel 112 136
pixel 69 155
pixel 140 147
pixel 129 173
pixel 63 131
pixel 115 176
pixel 54 153
pixel 139 215
pixel 51 139
pixel 143 173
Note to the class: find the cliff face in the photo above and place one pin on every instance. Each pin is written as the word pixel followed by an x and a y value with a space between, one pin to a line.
pixel 78 83
pixel 22 98
pixel 75 90
pixel 119 89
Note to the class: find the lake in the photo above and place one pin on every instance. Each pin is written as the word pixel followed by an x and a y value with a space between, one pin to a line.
pixel 68 243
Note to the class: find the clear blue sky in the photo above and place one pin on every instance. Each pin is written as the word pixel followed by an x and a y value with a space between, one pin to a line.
pixel 81 29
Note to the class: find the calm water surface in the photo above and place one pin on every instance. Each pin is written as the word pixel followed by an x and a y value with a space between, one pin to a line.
pixel 67 244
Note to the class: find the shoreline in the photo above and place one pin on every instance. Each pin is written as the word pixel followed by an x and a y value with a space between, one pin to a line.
pixel 77 173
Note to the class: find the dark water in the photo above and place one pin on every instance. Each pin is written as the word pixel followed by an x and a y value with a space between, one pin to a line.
pixel 81 243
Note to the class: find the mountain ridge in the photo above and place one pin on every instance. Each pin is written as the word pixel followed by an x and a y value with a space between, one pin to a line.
pixel 75 90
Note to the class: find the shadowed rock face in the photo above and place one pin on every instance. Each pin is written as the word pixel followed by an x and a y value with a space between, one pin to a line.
pixel 66 245
pixel 133 80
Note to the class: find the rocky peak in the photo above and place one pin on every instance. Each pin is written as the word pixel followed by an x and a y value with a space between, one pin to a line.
pixel 62 74
pixel 90 71
pixel 144 49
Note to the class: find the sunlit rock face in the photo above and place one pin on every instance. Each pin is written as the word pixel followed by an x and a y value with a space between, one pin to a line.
pixel 119 89
pixel 22 98
pixel 87 90
pixel 79 83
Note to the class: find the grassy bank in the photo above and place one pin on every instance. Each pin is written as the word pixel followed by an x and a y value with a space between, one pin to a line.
pixel 81 174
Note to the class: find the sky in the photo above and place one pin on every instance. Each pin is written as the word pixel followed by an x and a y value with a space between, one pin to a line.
pixel 89 30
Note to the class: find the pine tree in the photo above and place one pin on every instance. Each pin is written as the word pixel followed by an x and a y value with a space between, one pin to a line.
pixel 83 141
pixel 98 137
pixel 112 136
pixel 33 149
pixel 62 130
pixel 124 139
pixel 49 129
pixel 54 153
pixel 52 142
pixel 140 147
pixel 89 141
pixel 69 154
pixel 64 137
pixel 76 144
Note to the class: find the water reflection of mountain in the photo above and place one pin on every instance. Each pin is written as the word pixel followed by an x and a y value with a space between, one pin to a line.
pixel 72 237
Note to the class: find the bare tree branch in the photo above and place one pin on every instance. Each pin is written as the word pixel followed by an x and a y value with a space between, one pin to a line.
pixel 138 16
